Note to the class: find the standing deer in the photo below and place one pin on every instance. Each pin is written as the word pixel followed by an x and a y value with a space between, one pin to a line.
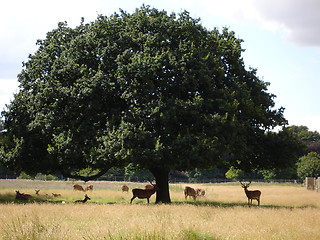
pixel 86 198
pixel 125 188
pixel 200 192
pixel 89 187
pixel 189 191
pixel 78 187
pixel 255 194
pixel 144 193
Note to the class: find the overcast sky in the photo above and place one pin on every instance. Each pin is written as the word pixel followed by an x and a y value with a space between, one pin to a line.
pixel 281 38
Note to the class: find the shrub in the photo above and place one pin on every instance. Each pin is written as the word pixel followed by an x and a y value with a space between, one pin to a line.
pixel 309 165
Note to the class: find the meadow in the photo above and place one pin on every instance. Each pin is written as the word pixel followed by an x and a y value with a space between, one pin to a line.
pixel 287 211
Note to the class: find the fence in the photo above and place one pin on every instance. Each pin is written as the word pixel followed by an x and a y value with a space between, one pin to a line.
pixel 313 183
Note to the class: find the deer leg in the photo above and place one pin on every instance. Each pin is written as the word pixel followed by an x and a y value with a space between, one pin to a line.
pixel 148 200
pixel 132 199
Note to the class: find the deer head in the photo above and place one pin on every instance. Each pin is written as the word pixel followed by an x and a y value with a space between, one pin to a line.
pixel 156 188
pixel 244 185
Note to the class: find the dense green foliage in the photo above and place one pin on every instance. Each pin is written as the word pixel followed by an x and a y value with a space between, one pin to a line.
pixel 309 165
pixel 155 90
pixel 303 133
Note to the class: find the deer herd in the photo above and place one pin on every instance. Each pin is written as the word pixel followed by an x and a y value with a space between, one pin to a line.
pixel 145 193
pixel 76 187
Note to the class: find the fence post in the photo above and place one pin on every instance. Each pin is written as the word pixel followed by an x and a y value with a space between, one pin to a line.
pixel 310 183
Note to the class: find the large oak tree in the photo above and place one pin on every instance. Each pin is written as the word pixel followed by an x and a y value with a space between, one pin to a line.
pixel 156 90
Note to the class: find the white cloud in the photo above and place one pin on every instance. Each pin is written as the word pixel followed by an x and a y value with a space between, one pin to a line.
pixel 298 18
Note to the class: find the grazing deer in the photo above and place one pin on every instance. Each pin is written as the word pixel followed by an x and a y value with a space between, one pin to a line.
pixel 200 192
pixel 144 193
pixel 22 196
pixel 56 194
pixel 78 187
pixel 89 187
pixel 125 188
pixel 251 194
pixel 86 198
pixel 189 191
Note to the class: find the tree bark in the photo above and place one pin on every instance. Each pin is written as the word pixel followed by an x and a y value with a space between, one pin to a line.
pixel 162 180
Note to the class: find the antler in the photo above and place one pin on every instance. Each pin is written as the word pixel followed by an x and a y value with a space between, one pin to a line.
pixel 245 184
pixel 150 182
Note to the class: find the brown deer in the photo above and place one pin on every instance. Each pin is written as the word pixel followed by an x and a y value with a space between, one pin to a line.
pixel 78 187
pixel 125 188
pixel 144 193
pixel 86 198
pixel 89 187
pixel 56 194
pixel 40 195
pixel 148 186
pixel 189 191
pixel 255 194
pixel 22 196
pixel 200 192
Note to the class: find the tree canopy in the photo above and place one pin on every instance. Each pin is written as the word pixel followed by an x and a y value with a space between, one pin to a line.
pixel 309 165
pixel 152 89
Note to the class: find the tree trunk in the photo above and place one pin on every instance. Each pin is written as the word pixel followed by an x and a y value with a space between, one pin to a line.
pixel 162 180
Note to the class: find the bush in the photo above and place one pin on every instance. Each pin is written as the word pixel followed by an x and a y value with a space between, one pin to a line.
pixel 23 175
pixel 309 165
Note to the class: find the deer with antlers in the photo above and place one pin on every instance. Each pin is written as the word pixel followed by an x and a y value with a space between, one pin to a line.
pixel 144 193
pixel 255 194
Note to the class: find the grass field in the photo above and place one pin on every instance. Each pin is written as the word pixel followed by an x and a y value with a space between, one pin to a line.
pixel 287 211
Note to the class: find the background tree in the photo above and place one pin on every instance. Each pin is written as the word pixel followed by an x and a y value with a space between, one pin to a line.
pixel 309 166
pixel 155 90
pixel 303 133
pixel 311 139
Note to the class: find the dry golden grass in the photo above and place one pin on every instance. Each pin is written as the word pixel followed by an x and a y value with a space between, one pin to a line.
pixel 286 212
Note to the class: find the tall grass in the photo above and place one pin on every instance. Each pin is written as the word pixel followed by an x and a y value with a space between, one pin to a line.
pixel 286 212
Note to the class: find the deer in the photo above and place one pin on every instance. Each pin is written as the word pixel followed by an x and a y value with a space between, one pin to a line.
pixel 144 193
pixel 86 198
pixel 22 196
pixel 40 195
pixel 89 187
pixel 200 192
pixel 56 194
pixel 189 191
pixel 255 194
pixel 77 187
pixel 148 186
pixel 125 188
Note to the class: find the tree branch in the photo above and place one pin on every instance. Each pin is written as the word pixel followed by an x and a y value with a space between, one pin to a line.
pixel 84 178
